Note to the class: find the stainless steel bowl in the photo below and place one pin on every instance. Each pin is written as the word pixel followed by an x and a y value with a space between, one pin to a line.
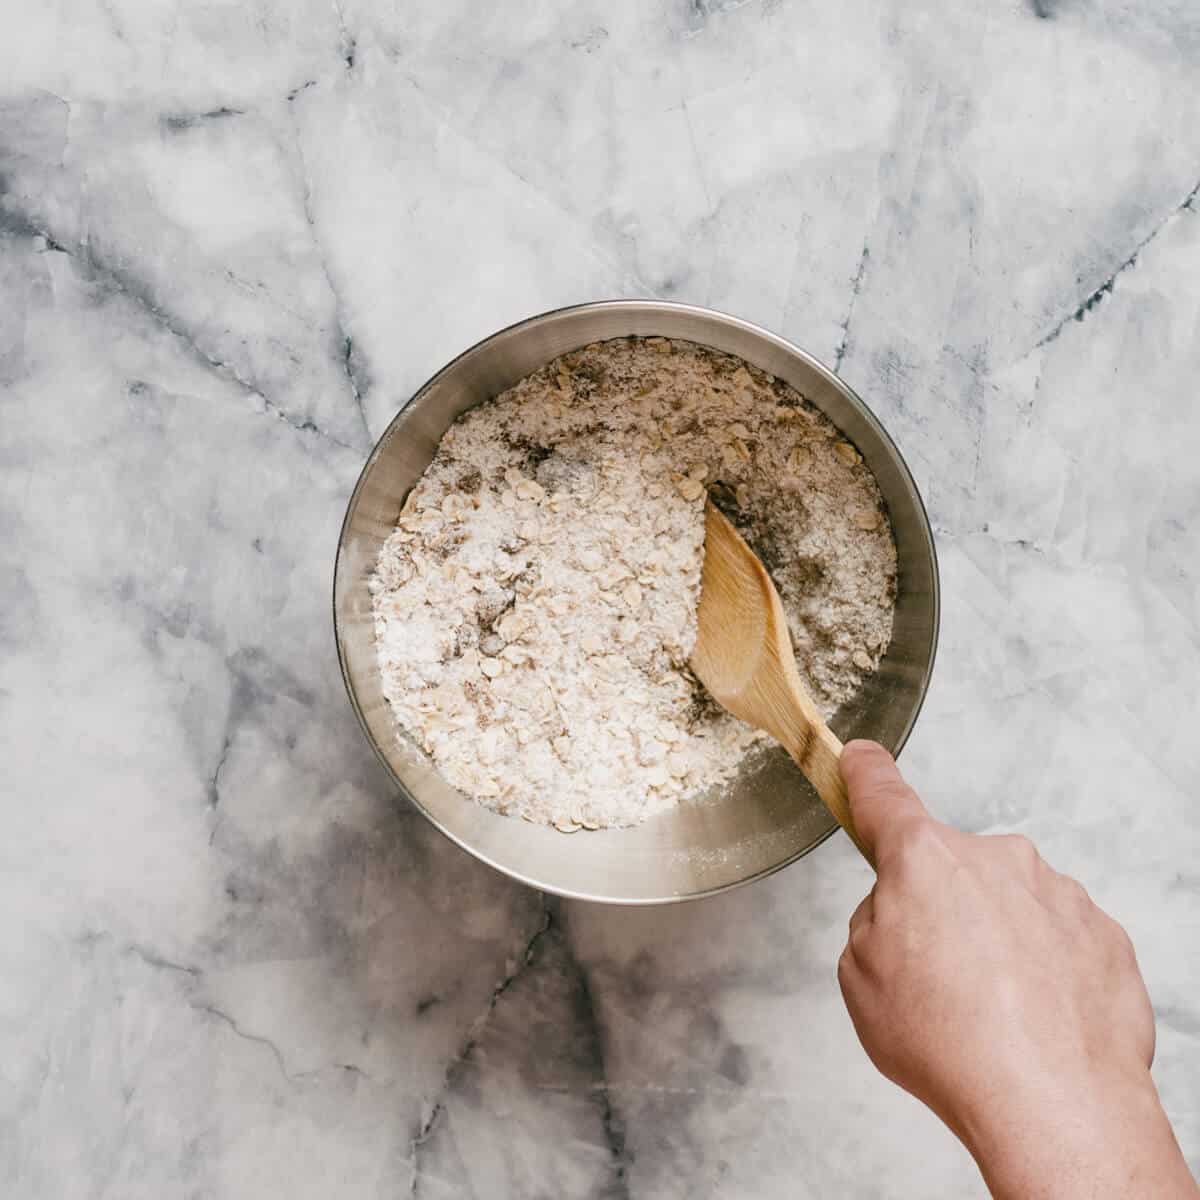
pixel 769 815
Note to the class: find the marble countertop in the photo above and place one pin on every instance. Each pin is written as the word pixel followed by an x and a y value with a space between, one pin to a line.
pixel 233 239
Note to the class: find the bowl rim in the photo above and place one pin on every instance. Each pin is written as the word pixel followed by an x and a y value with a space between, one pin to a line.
pixel 645 305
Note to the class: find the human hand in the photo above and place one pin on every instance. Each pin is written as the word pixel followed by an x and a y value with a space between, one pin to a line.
pixel 990 987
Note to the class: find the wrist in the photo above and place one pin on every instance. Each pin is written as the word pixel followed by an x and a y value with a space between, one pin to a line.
pixel 1102 1134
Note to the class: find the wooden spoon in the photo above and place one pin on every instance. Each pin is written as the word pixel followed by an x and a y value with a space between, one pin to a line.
pixel 743 655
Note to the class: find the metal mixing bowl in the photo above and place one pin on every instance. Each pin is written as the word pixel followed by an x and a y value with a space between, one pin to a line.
pixel 769 815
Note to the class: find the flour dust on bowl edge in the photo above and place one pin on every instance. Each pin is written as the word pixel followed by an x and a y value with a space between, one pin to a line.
pixel 769 815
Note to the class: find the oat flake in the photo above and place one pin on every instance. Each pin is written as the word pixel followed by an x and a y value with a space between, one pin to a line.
pixel 535 606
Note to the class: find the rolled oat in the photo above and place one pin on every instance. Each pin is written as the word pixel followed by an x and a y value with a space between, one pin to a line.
pixel 536 605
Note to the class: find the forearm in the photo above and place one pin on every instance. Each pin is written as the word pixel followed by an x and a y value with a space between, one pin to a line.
pixel 1110 1140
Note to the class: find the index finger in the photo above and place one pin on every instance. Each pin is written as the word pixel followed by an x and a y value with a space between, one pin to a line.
pixel 881 802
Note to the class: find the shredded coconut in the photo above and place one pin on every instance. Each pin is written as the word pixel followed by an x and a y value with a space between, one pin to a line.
pixel 535 606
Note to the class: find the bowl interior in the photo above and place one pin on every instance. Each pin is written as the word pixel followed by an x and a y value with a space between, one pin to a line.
pixel 769 815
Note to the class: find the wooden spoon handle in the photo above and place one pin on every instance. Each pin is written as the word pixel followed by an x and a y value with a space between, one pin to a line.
pixel 817 752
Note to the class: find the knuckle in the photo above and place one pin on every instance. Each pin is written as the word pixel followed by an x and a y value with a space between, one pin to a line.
pixel 1018 848
pixel 1121 940
pixel 1022 846
pixel 859 943
pixel 845 966
pixel 858 957
pixel 862 913
pixel 1068 892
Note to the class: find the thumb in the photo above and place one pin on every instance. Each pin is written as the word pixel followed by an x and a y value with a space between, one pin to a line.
pixel 880 801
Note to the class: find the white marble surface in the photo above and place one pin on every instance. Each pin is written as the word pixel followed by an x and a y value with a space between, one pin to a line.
pixel 233 238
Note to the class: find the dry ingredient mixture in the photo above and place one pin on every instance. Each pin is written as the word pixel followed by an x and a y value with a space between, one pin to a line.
pixel 536 605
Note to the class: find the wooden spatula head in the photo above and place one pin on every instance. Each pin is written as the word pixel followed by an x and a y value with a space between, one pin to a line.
pixel 740 621
pixel 743 656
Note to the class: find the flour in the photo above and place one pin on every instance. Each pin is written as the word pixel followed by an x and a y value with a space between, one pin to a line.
pixel 536 605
